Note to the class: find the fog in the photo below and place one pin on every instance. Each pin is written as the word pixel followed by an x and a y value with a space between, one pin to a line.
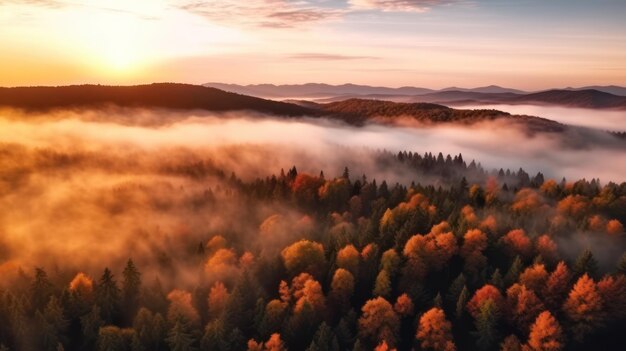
pixel 79 191
pixel 612 120
pixel 575 154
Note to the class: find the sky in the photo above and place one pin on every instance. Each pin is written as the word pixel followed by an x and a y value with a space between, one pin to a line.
pixel 524 44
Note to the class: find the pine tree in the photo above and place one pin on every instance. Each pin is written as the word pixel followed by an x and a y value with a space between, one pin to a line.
pixel 131 286
pixel 324 339
pixel 149 328
pixel 454 291
pixel 486 326
pixel 438 301
pixel 585 264
pixel 496 279
pixel 235 341
pixel 90 326
pixel 180 337
pixel 461 302
pixel 108 297
pixel 41 289
pixel 51 325
pixel 383 284
pixel 514 271
pixel 111 338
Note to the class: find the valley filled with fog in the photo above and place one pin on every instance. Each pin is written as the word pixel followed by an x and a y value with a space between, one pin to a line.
pixel 611 120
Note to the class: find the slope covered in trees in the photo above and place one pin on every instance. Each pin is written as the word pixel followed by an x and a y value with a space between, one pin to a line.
pixel 192 97
pixel 158 95
pixel 484 260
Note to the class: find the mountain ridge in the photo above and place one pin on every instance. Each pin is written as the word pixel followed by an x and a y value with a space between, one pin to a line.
pixel 189 97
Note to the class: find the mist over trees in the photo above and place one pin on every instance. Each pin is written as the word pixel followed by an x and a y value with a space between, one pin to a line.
pixel 348 263
pixel 154 240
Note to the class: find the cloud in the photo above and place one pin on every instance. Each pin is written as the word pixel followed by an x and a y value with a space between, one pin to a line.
pixel 40 3
pixel 399 5
pixel 328 57
pixel 289 14
pixel 263 13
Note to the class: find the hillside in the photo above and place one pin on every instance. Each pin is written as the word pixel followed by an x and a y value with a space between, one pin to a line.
pixel 594 97
pixel 157 95
pixel 192 97
pixel 575 98
pixel 611 89
pixel 358 111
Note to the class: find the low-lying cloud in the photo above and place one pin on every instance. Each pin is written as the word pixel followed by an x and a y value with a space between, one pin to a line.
pixel 613 120
pixel 79 186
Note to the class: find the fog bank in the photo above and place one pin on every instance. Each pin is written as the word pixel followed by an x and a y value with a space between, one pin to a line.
pixel 612 120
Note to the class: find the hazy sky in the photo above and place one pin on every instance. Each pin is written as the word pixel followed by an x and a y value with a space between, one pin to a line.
pixel 529 44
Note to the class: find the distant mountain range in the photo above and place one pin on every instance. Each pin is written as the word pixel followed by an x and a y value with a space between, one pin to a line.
pixel 327 90
pixel 611 89
pixel 195 97
pixel 608 97
pixel 313 90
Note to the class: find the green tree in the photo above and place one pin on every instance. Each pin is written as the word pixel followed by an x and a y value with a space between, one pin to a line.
pixel 41 289
pixel 51 325
pixel 214 336
pixel 382 287
pixel 111 338
pixel 180 337
pixel 150 329
pixel 131 287
pixel 324 339
pixel 108 297
pixel 486 326
pixel 585 263
pixel 496 279
pixel 514 271
pixel 90 326
pixel 461 303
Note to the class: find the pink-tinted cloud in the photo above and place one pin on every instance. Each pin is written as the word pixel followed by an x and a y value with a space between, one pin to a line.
pixel 328 57
pixel 400 5
pixel 263 13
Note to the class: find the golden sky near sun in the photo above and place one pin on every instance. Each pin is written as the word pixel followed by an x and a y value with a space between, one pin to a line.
pixel 56 42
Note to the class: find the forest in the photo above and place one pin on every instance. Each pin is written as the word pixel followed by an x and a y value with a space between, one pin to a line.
pixel 479 260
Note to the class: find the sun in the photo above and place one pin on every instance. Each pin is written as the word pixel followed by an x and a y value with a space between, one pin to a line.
pixel 119 56
pixel 114 43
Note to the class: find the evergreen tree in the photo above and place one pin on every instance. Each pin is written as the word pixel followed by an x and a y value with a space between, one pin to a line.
pixel 455 289
pixel 585 263
pixel 110 338
pixel 131 287
pixel 496 279
pixel 461 303
pixel 514 271
pixel 41 289
pixel 486 326
pixel 180 337
pixel 324 339
pixel 90 325
pixel 108 297
pixel 51 325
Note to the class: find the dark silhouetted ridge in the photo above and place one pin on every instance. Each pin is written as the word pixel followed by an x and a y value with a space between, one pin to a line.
pixel 359 111
pixel 157 95
pixel 575 98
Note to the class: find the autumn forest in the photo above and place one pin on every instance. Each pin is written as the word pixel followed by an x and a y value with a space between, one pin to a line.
pixel 125 240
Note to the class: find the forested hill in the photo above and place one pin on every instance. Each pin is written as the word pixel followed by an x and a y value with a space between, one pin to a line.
pixel 359 111
pixel 157 95
pixel 192 97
